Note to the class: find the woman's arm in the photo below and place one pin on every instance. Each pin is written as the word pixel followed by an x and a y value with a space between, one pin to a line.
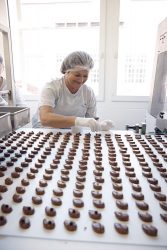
pixel 49 119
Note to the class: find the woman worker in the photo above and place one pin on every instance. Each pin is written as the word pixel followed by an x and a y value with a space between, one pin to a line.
pixel 68 101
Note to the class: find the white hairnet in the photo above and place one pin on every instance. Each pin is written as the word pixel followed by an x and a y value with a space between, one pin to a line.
pixel 77 59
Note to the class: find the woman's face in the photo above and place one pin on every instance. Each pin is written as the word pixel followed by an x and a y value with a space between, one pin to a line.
pixel 75 79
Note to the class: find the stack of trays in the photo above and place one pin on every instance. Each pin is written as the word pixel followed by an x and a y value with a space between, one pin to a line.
pixel 12 118
pixel 5 123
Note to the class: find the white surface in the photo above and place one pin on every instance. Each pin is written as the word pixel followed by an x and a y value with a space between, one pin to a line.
pixel 84 236
pixel 14 243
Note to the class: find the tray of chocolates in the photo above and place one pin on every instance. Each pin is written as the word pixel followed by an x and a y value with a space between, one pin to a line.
pixel 108 187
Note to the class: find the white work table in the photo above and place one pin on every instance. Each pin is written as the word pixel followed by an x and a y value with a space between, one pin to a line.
pixel 120 158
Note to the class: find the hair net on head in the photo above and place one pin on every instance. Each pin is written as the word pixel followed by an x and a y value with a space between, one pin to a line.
pixel 1 59
pixel 77 60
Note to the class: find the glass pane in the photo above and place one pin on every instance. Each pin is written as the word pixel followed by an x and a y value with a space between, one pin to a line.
pixel 137 40
pixel 49 30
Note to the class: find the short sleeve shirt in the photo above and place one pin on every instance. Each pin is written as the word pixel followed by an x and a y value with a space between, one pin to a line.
pixel 58 96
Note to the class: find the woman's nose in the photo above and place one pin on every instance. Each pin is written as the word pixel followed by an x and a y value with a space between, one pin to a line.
pixel 81 80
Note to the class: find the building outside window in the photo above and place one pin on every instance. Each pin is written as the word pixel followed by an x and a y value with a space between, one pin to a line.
pixel 139 21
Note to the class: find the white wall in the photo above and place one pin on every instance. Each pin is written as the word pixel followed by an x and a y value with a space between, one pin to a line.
pixel 3 13
pixel 3 21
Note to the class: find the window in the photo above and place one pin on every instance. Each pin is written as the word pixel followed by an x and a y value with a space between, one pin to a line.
pixel 138 25
pixel 46 31
pixel 120 35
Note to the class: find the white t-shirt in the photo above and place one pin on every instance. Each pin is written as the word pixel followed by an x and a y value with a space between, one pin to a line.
pixel 58 96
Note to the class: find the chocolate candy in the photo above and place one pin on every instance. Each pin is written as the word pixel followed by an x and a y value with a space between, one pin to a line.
pixel 117 187
pixel 20 190
pixel 78 203
pixel 61 184
pixel 43 183
pixel 121 216
pixel 36 200
pixel 58 192
pixel 3 220
pixel 27 210
pixel 150 230
pixel 53 166
pixel 94 214
pixel 67 166
pixel 152 181
pixel 117 195
pixel 116 180
pixel 136 187
pixel 77 193
pixel 138 196
pixel 155 188
pixel 47 177
pixel 34 170
pixel 65 171
pixel 98 203
pixel 1 174
pixel 40 191
pixel 30 176
pixel 70 225
pixel 142 205
pixel 97 186
pixel 56 201
pixel 3 188
pixel 160 196
pixel 50 211
pixel 164 217
pixel 64 177
pixel 80 178
pixel 121 228
pixel 19 169
pixel 79 185
pixel 96 194
pixel 98 227
pixel 134 180
pixel 48 224
pixel 24 222
pixel 3 168
pixel 163 205
pixel 146 217
pixel 122 205
pixel 15 175
pixel 17 198
pixel 99 179
pixel 73 213
pixel 6 208
pixel 25 182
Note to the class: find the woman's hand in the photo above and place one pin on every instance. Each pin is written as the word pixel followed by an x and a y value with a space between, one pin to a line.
pixel 106 125
pixel 87 122
pixel 93 124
